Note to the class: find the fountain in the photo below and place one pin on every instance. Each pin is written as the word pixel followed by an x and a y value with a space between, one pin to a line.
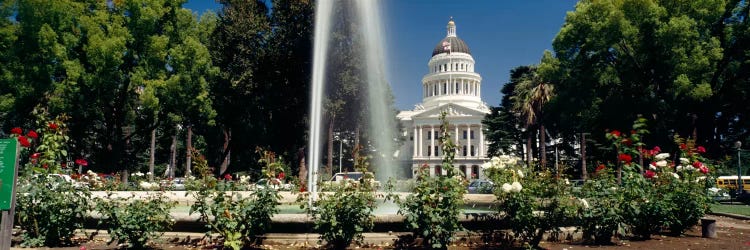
pixel 381 122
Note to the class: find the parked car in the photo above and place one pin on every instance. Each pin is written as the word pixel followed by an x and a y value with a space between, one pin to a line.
pixel 479 186
pixel 176 184
pixel 274 183
pixel 353 177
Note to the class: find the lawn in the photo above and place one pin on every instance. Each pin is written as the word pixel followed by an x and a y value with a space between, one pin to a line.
pixel 731 209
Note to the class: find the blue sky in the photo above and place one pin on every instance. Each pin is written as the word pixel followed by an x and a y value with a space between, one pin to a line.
pixel 500 34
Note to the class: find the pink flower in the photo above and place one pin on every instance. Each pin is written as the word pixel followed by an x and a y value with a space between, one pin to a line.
pixel 228 177
pixel 35 155
pixel 701 149
pixel 649 174
pixel 24 141
pixel 82 162
pixel 697 164
pixel 703 169
pixel 32 134
pixel 657 149
pixel 16 131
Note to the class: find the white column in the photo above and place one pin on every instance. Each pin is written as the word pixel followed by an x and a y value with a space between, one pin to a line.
pixel 455 138
pixel 467 172
pixel 468 140
pixel 421 140
pixel 415 138
pixel 481 141
pixel 432 140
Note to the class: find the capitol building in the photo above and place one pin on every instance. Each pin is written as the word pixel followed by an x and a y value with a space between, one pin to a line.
pixel 450 85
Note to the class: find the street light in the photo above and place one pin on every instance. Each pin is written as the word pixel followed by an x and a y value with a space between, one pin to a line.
pixel 341 145
pixel 738 145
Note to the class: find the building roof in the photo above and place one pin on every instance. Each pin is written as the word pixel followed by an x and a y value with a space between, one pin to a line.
pixel 456 45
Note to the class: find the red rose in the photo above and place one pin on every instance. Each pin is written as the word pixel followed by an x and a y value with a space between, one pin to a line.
pixel 228 177
pixel 600 167
pixel 615 133
pixel 24 141
pixel 16 130
pixel 35 155
pixel 703 169
pixel 683 146
pixel 63 164
pixel 697 164
pixel 52 126
pixel 625 158
pixel 627 142
pixel 32 134
pixel 701 149
pixel 657 149
pixel 649 174
pixel 82 162
pixel 632 132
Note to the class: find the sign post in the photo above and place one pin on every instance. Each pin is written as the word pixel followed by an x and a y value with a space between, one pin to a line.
pixel 9 151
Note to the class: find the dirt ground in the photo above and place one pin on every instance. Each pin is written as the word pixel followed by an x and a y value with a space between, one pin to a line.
pixel 731 234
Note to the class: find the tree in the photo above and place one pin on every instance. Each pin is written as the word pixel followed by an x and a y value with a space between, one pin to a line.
pixel 503 125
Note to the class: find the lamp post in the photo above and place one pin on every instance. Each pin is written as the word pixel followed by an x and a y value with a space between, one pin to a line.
pixel 738 145
pixel 341 143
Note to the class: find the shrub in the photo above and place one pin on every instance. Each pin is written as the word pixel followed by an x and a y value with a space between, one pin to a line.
pixel 133 220
pixel 49 210
pixel 236 218
pixel 599 210
pixel 342 216
pixel 531 204
pixel 432 211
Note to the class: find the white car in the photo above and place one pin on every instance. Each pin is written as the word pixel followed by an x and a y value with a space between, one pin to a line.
pixel 275 183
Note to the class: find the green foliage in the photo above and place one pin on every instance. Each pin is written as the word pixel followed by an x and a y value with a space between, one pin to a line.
pixel 49 210
pixel 342 215
pixel 432 211
pixel 236 218
pixel 530 204
pixel 135 220
pixel 599 211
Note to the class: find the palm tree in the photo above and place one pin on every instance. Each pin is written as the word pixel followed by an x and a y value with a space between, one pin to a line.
pixel 531 94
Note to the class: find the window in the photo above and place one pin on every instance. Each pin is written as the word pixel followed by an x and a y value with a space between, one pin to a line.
pixel 429 151
pixel 465 150
pixel 472 150
pixel 463 169
pixel 437 151
pixel 429 135
pixel 464 136
pixel 411 138
pixel 438 170
pixel 472 134
pixel 475 172
pixel 436 134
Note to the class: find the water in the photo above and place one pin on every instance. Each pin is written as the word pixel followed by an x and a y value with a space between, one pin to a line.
pixel 381 120
pixel 323 13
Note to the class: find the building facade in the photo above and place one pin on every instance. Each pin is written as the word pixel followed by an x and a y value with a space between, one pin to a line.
pixel 452 86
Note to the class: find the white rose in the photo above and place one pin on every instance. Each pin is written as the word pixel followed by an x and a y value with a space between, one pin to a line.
pixel 684 160
pixel 567 182
pixel 584 203
pixel 652 167
pixel 661 156
pixel 487 165
pixel 520 173
pixel 507 188
pixel 145 185
pixel 661 163
pixel 495 160
pixel 675 175
pixel 679 168
pixel 516 187
pixel 690 168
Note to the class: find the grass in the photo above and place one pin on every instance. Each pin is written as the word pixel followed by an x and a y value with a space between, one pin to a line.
pixel 731 209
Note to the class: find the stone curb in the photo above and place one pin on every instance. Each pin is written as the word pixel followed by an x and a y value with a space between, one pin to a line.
pixel 733 216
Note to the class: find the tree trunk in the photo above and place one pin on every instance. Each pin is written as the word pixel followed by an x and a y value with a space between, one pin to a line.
pixel 302 169
pixel 189 150
pixel 584 170
pixel 542 147
pixel 329 166
pixel 529 153
pixel 173 154
pixel 226 151
pixel 152 155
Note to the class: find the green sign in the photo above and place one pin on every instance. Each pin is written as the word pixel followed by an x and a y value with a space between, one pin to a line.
pixel 7 171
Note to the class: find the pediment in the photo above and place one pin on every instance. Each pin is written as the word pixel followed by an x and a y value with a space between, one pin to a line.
pixel 452 110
